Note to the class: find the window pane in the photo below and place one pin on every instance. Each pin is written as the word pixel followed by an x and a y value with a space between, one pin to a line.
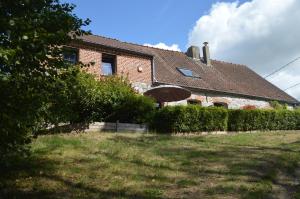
pixel 188 72
pixel 107 68
pixel 70 56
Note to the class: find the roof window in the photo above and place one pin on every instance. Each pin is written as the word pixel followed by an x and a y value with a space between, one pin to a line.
pixel 188 73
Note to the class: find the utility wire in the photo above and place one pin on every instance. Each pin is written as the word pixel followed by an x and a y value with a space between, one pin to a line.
pixel 292 86
pixel 279 69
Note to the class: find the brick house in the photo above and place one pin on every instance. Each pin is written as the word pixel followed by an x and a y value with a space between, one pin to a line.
pixel 212 82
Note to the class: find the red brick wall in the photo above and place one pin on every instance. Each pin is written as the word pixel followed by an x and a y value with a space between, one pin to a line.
pixel 87 56
pixel 126 65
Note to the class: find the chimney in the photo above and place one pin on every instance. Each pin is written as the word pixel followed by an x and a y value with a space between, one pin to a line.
pixel 193 52
pixel 206 55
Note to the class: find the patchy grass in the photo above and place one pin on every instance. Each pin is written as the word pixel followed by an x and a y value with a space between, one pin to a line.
pixel 110 165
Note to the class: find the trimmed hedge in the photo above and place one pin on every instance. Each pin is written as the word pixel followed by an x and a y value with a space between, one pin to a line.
pixel 192 118
pixel 251 120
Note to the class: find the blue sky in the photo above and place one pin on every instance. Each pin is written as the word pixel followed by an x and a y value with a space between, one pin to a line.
pixel 144 21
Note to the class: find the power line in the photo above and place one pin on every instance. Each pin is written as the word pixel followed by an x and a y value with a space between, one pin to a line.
pixel 282 67
pixel 292 86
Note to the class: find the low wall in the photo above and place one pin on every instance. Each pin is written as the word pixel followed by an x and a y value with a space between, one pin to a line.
pixel 118 127
pixel 99 126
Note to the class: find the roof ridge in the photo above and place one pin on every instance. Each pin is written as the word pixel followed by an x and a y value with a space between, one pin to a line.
pixel 151 47
pixel 131 43
pixel 226 62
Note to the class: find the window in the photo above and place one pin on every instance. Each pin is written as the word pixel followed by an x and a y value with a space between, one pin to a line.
pixel 108 65
pixel 70 55
pixel 194 102
pixel 221 104
pixel 188 72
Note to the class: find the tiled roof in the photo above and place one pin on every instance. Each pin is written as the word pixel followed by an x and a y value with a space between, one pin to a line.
pixel 220 77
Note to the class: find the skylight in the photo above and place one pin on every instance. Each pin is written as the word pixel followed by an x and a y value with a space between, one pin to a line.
pixel 188 73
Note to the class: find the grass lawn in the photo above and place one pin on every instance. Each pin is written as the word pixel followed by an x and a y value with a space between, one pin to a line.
pixel 110 165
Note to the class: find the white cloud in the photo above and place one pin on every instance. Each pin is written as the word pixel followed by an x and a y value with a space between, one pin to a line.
pixel 263 34
pixel 161 45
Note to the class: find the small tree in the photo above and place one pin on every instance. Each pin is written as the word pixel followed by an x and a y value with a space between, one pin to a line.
pixel 31 35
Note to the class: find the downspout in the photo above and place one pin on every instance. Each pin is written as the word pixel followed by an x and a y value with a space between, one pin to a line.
pixel 153 71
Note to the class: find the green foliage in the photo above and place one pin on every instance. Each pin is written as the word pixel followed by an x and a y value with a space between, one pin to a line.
pixel 278 106
pixel 31 33
pixel 80 98
pixel 249 120
pixel 197 119
pixel 134 109
pixel 191 118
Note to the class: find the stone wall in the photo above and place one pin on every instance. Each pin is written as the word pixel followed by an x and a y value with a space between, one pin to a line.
pixel 233 102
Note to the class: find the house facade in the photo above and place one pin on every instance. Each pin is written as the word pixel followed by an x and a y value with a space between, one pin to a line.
pixel 212 83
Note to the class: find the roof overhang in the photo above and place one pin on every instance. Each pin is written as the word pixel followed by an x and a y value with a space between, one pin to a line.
pixel 102 46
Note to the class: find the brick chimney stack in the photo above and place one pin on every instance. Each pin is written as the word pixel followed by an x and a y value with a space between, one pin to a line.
pixel 206 55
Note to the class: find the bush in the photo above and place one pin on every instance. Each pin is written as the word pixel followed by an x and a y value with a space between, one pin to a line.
pixel 278 106
pixel 23 105
pixel 16 124
pixel 196 119
pixel 250 120
pixel 80 98
pixel 191 118
pixel 135 109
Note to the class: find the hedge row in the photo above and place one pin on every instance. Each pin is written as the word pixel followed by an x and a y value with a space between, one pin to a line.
pixel 250 120
pixel 196 119
pixel 190 119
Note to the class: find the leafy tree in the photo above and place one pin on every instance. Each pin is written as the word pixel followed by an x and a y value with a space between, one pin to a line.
pixel 31 35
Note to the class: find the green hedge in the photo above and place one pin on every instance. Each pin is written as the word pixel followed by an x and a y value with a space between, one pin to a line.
pixel 190 118
pixel 193 118
pixel 251 120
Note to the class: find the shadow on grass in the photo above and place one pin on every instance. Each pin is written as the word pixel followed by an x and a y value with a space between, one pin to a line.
pixel 244 171
pixel 33 170
pixel 263 167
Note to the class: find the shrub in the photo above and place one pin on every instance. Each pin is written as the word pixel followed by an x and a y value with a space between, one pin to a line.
pixel 80 98
pixel 250 120
pixel 278 106
pixel 135 109
pixel 189 118
pixel 16 124
pixel 196 119
pixel 298 118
